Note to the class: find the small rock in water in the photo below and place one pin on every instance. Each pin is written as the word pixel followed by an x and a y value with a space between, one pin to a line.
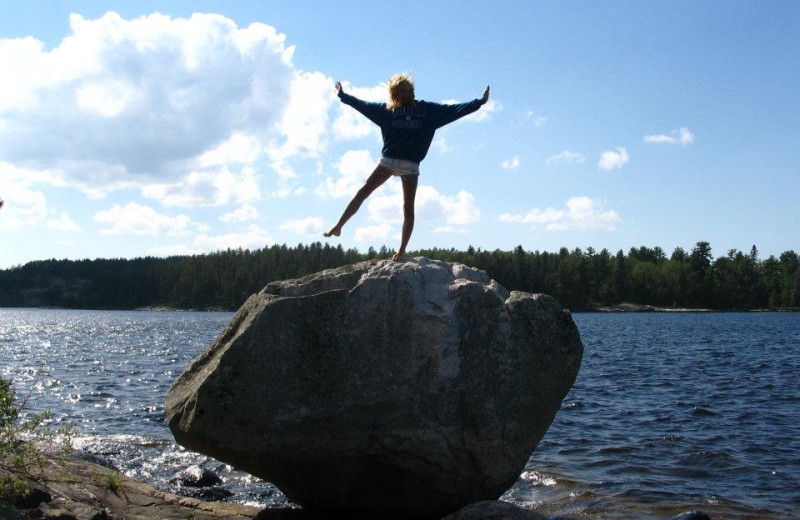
pixel 209 494
pixel 197 477
pixel 493 510
pixel 692 515
pixel 94 459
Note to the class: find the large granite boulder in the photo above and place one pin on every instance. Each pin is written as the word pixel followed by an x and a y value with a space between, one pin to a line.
pixel 400 389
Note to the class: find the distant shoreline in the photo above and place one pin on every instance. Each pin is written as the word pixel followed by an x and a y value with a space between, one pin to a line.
pixel 604 309
pixel 637 307
pixel 165 308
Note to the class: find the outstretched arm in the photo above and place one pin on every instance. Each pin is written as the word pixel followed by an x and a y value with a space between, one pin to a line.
pixel 373 111
pixel 449 113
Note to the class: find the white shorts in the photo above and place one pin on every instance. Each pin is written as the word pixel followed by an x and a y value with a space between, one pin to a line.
pixel 399 166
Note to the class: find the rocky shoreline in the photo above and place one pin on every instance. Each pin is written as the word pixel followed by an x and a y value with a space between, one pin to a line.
pixel 75 489
pixel 71 488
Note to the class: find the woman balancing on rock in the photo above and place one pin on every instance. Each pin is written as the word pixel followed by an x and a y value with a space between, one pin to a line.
pixel 407 126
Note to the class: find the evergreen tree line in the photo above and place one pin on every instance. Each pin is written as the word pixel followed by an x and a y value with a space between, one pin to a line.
pixel 578 279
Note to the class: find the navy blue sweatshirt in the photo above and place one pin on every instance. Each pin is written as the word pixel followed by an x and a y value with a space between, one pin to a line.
pixel 408 131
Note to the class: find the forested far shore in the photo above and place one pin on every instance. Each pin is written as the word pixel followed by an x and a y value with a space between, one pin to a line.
pixel 580 279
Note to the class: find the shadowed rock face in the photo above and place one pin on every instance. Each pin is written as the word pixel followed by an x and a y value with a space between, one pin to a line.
pixel 400 389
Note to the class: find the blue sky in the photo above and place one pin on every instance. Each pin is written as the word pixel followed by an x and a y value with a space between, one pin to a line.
pixel 137 128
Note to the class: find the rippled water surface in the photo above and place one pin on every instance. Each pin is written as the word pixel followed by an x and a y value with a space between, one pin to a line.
pixel 670 412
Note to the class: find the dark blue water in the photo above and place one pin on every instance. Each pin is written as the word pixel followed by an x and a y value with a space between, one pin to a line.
pixel 670 412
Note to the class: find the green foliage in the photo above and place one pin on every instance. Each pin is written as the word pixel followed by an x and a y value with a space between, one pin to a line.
pixel 114 480
pixel 578 278
pixel 20 441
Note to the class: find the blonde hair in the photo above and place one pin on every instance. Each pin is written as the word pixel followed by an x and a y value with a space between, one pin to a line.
pixel 401 91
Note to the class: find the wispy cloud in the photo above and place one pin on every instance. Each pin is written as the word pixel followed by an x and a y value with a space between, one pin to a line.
pixel 450 230
pixel 678 136
pixel 613 159
pixel 63 223
pixel 566 157
pixel 578 213
pixel 511 164
pixel 537 119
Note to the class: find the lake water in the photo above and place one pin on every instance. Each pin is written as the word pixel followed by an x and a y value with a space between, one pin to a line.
pixel 670 412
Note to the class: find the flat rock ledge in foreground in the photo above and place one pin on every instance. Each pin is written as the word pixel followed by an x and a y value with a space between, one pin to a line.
pixel 400 389
pixel 74 489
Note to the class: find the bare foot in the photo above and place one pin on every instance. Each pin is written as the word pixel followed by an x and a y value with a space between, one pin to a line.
pixel 399 256
pixel 334 232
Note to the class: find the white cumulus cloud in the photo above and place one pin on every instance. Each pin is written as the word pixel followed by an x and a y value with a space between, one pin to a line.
pixel 613 159
pixel 239 148
pixel 63 223
pixel 25 208
pixel 366 234
pixel 349 123
pixel 305 121
pixel 154 100
pixel 387 207
pixel 253 238
pixel 678 136
pixel 25 204
pixel 440 143
pixel 137 219
pixel 243 214
pixel 207 188
pixel 578 213
pixel 354 168
pixel 309 226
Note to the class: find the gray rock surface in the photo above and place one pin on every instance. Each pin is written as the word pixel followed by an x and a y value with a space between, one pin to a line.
pixel 395 388
pixel 75 489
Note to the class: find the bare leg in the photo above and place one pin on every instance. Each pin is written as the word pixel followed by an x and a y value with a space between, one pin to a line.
pixel 378 177
pixel 409 192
